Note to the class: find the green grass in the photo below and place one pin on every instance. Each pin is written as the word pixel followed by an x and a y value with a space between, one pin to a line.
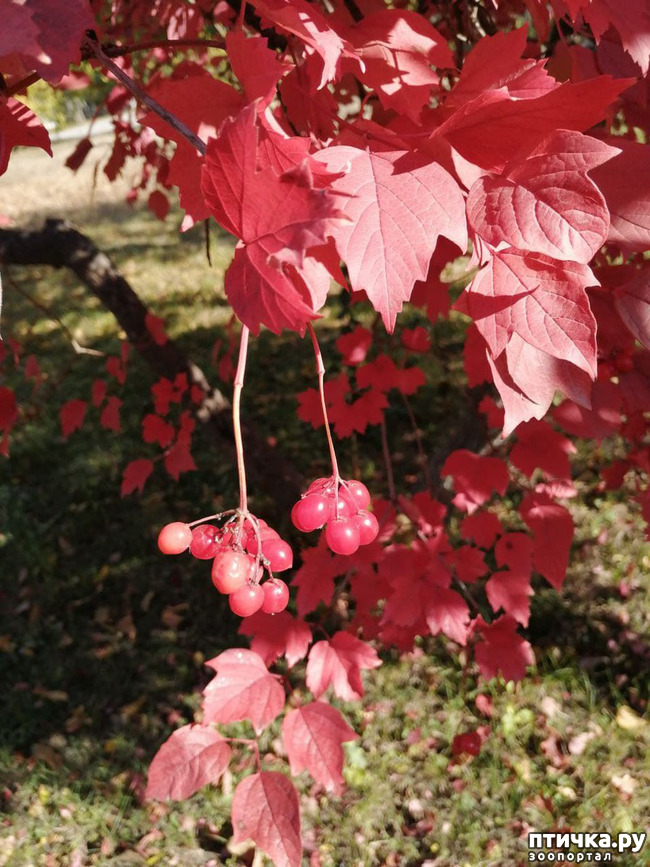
pixel 102 640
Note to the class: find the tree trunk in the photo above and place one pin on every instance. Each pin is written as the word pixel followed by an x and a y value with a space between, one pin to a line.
pixel 60 245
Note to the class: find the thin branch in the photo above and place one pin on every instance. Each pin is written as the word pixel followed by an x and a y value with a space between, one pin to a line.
pixel 92 46
pixel 110 49
pixel 390 478
pixel 78 348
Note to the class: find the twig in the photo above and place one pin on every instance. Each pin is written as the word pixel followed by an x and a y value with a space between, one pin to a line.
pixel 95 48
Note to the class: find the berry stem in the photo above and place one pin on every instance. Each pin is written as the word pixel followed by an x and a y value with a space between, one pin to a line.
pixel 236 399
pixel 320 369
pixel 390 478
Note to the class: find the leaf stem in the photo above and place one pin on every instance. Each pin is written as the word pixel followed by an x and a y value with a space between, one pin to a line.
pixel 92 46
pixel 320 369
pixel 236 423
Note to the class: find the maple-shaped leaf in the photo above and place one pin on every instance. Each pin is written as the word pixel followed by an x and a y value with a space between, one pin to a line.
pixel 544 201
pixel 280 635
pixel 625 183
pixel 179 459
pixel 306 22
pixel 156 430
pixel 19 126
pixel 398 48
pixel 416 339
pixel 354 345
pixel 315 578
pixel 602 420
pixel 447 612
pixel 632 302
pixel 510 591
pixel 255 65
pixel 277 219
pixel 156 328
pixel 468 562
pixel 243 689
pixel 71 416
pixel 313 736
pixel 110 415
pixel 265 809
pixel 475 477
pixel 338 663
pixel 135 476
pixel 398 205
pixel 515 550
pixel 481 528
pixel 202 103
pixel 502 649
pixel 190 758
pixel 383 374
pixel 552 528
pixel 540 447
pixel 541 300
pixel 631 21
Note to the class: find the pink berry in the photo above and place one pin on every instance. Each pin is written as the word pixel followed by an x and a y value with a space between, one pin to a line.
pixel 232 570
pixel 206 542
pixel 345 508
pixel 311 512
pixel 318 485
pixel 276 596
pixel 342 536
pixel 247 600
pixel 175 538
pixel 357 493
pixel 266 535
pixel 278 553
pixel 368 526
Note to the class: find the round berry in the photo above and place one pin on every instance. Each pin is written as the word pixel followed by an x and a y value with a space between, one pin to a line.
pixel 342 535
pixel 311 512
pixel 278 553
pixel 318 485
pixel 175 538
pixel 341 508
pixel 231 570
pixel 357 493
pixel 368 526
pixel 206 542
pixel 266 535
pixel 276 596
pixel 247 600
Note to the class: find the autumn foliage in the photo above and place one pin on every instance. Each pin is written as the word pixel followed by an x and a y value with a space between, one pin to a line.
pixel 371 147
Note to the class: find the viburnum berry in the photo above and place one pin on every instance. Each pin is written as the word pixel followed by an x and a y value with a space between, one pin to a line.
pixel 311 512
pixel 232 570
pixel 357 493
pixel 266 535
pixel 206 542
pixel 343 536
pixel 276 596
pixel 247 600
pixel 175 538
pixel 367 525
pixel 278 553
pixel 340 508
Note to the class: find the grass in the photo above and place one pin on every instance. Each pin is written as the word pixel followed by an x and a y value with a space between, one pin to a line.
pixel 102 641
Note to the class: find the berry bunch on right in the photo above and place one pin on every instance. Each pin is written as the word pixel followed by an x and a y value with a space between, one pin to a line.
pixel 342 508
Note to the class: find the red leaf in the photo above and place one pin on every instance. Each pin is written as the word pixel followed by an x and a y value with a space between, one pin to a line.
pixel 468 562
pixel 482 528
pixel 398 48
pixel 602 420
pixel 338 663
pixel 502 649
pixel 135 475
pixel 625 183
pixel 110 415
pixel 98 392
pixel 265 809
pixel 475 477
pixel 397 207
pixel 447 612
pixel 383 374
pixel 515 550
pixel 355 345
pixel 192 757
pixel 278 218
pixel 179 459
pixel 468 742
pixel 79 154
pixel 510 591
pixel 158 204
pixel 632 302
pixel 312 736
pixel 156 430
pixel 315 578
pixel 242 690
pixel 19 126
pixel 254 64
pixel 544 202
pixel 58 39
pixel 552 528
pixel 8 408
pixel 71 416
pixel 539 446
pixel 280 635
pixel 632 23
pixel 416 339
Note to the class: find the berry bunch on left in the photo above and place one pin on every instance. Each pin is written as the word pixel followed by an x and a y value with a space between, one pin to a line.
pixel 242 551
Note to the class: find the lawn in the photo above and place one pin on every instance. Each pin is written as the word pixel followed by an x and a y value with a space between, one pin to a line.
pixel 103 640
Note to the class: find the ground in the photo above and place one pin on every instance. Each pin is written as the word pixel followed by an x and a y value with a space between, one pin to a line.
pixel 102 640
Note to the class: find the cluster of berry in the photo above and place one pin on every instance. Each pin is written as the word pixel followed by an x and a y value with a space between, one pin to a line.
pixel 342 507
pixel 241 551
